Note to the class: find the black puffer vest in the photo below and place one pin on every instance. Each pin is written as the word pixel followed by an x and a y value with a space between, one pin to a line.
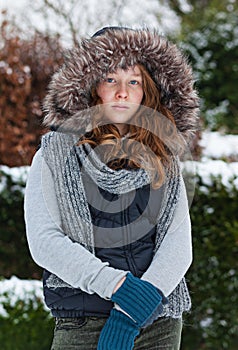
pixel 131 250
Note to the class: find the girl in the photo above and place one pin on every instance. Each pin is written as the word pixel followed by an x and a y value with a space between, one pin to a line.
pixel 105 205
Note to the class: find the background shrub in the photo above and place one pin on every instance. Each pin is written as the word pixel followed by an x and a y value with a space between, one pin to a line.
pixel 14 252
pixel 213 277
pixel 25 322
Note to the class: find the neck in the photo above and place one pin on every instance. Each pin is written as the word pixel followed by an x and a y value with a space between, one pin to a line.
pixel 122 128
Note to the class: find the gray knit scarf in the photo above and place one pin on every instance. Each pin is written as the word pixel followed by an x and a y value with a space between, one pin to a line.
pixel 62 157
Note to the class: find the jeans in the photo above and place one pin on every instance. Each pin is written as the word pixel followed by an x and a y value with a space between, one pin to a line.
pixel 83 333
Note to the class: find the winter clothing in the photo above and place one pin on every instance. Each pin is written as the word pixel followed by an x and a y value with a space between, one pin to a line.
pixel 60 153
pixel 88 291
pixel 147 298
pixel 118 333
pixel 85 249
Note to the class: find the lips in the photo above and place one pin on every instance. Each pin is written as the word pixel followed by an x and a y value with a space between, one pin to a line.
pixel 120 107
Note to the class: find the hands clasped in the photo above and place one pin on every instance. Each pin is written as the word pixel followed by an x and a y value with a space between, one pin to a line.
pixel 139 299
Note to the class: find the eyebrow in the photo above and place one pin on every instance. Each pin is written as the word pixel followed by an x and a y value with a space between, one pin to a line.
pixel 133 75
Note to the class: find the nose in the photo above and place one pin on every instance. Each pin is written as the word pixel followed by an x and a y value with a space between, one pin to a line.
pixel 122 92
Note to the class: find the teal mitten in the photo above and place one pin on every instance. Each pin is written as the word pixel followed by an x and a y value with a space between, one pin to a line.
pixel 138 298
pixel 118 333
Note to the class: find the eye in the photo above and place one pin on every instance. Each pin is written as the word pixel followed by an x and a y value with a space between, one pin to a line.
pixel 110 80
pixel 134 82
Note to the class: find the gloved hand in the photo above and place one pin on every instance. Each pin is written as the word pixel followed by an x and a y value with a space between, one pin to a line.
pixel 157 313
pixel 138 298
pixel 118 333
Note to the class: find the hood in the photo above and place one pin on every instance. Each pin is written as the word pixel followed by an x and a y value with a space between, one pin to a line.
pixel 92 59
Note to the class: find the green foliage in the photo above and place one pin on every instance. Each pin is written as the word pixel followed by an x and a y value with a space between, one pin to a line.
pixel 213 277
pixel 28 325
pixel 195 11
pixel 213 49
pixel 14 252
pixel 209 36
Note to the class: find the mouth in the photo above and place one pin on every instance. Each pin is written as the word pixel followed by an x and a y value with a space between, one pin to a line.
pixel 120 107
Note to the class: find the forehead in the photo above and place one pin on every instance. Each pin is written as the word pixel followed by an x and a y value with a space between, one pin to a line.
pixel 129 71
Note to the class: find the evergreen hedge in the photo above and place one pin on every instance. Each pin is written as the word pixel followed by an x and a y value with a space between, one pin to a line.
pixel 212 278
pixel 25 324
pixel 14 252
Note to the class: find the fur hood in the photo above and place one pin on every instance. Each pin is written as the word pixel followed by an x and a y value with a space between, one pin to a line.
pixel 70 87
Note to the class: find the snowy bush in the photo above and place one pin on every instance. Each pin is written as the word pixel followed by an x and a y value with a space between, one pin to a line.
pixel 14 289
pixel 15 258
pixel 25 321
pixel 213 276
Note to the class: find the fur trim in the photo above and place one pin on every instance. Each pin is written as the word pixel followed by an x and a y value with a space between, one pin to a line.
pixel 69 90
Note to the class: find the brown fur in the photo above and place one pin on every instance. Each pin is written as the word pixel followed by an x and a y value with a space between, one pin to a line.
pixel 70 88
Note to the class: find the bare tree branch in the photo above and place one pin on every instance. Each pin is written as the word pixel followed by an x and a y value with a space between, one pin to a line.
pixel 60 11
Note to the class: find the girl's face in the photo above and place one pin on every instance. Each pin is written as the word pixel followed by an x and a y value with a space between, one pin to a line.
pixel 121 94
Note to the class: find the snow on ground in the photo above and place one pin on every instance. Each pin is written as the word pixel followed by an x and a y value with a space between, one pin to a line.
pixel 14 289
pixel 218 146
pixel 17 174
pixel 208 168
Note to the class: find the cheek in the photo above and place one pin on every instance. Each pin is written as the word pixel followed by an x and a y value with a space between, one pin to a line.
pixel 103 94
pixel 99 91
pixel 139 96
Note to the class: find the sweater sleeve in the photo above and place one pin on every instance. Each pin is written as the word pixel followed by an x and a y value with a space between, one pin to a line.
pixel 51 248
pixel 174 256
